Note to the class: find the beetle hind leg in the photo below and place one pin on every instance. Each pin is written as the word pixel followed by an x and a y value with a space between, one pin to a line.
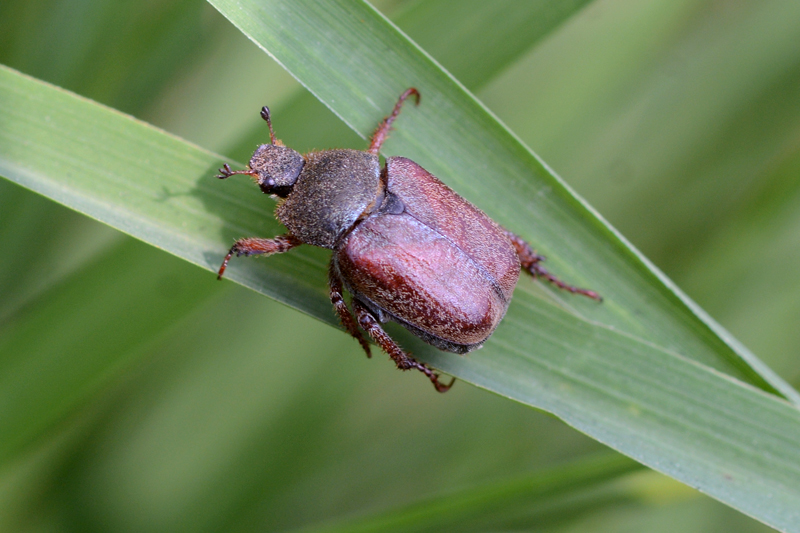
pixel 531 263
pixel 340 306
pixel 403 361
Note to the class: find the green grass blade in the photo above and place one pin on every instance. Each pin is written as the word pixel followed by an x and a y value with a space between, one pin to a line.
pixel 59 350
pixel 482 38
pixel 116 53
pixel 475 62
pixel 27 218
pixel 515 504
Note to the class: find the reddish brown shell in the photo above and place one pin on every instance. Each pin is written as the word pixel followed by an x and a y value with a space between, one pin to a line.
pixel 440 265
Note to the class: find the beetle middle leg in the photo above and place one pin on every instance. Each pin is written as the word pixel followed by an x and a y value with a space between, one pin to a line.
pixel 340 306
pixel 382 131
pixel 531 263
pixel 256 246
pixel 403 361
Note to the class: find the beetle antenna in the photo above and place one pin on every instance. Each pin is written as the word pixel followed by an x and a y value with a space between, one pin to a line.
pixel 265 116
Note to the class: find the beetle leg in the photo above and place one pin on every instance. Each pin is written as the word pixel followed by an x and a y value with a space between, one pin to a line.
pixel 340 306
pixel 256 246
pixel 403 361
pixel 382 131
pixel 531 263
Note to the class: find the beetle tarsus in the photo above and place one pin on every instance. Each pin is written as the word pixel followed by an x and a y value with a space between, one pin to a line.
pixel 340 306
pixel 225 264
pixel 403 361
pixel 530 262
pixel 382 131
pixel 256 246
pixel 225 172
pixel 538 271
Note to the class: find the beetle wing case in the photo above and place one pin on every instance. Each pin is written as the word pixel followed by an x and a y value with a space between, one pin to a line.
pixel 440 208
pixel 440 267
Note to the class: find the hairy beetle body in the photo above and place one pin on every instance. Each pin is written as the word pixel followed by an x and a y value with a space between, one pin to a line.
pixel 406 246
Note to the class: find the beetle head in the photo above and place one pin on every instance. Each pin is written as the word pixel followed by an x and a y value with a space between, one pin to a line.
pixel 276 168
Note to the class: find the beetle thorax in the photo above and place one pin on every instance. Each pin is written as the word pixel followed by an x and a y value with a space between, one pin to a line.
pixel 334 190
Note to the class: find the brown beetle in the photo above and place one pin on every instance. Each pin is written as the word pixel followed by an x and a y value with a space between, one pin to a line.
pixel 406 246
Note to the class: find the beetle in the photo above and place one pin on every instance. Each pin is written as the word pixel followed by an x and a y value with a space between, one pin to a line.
pixel 405 246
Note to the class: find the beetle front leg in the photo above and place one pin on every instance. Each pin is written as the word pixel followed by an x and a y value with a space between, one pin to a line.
pixel 403 361
pixel 531 263
pixel 256 246
pixel 341 309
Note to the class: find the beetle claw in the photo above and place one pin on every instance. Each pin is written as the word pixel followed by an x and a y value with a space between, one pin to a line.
pixel 433 376
pixel 225 172
pixel 441 387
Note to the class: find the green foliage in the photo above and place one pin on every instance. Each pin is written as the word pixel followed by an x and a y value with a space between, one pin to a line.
pixel 137 393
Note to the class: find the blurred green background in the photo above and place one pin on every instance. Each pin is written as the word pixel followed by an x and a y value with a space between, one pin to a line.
pixel 224 411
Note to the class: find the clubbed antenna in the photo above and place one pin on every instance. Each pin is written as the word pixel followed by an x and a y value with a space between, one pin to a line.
pixel 265 116
pixel 226 172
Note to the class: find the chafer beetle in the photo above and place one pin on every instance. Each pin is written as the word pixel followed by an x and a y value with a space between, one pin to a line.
pixel 405 246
